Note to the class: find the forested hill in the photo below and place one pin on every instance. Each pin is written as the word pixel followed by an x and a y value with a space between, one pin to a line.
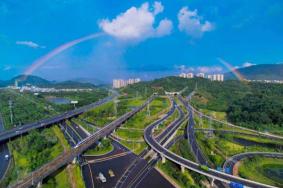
pixel 252 104
pixel 260 72
pixel 40 82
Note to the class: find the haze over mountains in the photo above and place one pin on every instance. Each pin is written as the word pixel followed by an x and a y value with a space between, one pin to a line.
pixel 259 72
pixel 255 72
pixel 40 82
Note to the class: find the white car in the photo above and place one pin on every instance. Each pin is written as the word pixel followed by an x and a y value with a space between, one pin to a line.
pixel 101 177
pixel 6 157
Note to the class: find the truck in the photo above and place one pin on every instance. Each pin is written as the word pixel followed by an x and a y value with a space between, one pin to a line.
pixel 236 185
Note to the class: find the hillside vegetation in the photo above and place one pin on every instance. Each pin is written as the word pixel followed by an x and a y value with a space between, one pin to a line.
pixel 250 104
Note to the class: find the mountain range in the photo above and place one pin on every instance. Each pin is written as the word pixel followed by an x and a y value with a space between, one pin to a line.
pixel 255 72
pixel 259 72
pixel 40 82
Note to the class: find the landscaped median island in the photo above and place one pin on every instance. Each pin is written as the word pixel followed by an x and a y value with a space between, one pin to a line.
pixel 264 170
pixel 132 137
pixel 110 111
pixel 102 148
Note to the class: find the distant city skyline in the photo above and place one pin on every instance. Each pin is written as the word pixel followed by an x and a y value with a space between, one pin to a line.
pixel 147 39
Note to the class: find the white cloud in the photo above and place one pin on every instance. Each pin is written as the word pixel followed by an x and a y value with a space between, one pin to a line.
pixel 164 28
pixel 192 24
pixel 137 23
pixel 157 8
pixel 29 44
pixel 247 64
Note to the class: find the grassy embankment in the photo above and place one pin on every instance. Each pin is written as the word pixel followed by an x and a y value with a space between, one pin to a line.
pixel 264 170
pixel 221 146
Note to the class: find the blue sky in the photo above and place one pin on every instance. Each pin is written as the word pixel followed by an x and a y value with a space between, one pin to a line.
pixel 141 38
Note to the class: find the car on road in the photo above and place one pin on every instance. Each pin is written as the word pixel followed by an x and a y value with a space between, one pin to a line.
pixel 102 177
pixel 7 157
pixel 111 173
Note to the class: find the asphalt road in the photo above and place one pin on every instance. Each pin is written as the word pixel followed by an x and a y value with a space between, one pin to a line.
pixel 230 163
pixel 227 178
pixel 140 169
pixel 4 164
pixel 5 135
pixel 190 131
pixel 67 156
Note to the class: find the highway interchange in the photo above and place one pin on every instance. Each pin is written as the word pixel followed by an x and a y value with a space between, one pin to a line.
pixel 159 145
pixel 66 157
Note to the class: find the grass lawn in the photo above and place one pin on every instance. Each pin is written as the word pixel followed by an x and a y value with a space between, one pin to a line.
pixel 265 170
pixel 77 175
pixel 60 180
pixel 182 148
pixel 221 146
pixel 105 113
pixel 104 147
pixel 61 137
pixel 142 119
pixel 129 134
pixel 214 114
pixel 135 147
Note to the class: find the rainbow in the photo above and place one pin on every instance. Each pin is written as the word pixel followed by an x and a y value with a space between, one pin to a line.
pixel 231 68
pixel 42 60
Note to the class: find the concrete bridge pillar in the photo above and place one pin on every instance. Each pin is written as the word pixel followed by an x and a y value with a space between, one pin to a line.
pixel 104 137
pixel 74 160
pixel 212 183
pixel 114 130
pixel 39 185
pixel 182 169
pixel 163 159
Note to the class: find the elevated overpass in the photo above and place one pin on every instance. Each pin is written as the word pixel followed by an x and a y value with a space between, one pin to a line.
pixel 11 133
pixel 66 157
pixel 185 163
